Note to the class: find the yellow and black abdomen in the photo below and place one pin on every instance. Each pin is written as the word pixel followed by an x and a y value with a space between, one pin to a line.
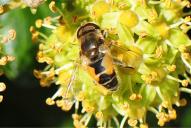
pixel 104 73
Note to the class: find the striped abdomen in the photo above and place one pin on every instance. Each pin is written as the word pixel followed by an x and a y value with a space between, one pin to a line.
pixel 103 72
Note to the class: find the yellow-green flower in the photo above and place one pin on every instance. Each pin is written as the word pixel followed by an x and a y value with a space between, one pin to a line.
pixel 4 59
pixel 153 36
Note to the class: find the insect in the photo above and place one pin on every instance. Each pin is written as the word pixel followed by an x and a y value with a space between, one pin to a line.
pixel 96 57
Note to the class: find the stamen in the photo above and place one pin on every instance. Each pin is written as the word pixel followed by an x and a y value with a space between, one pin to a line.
pixel 172 114
pixel 58 93
pixel 67 104
pixel 52 6
pixel 132 122
pixel 1 98
pixel 185 62
pixel 38 23
pixel 99 115
pixel 2 86
pixel 50 101
pixel 169 43
pixel 187 90
pixel 49 26
pixel 171 68
pixel 173 78
pixel 159 93
pixel 11 34
pixel 116 121
pixel 185 83
pixel 154 110
pixel 181 21
pixel 123 121
pixel 76 116
pixel 88 120
pixel 43 35
pixel 182 102
pixel 76 106
pixel 159 52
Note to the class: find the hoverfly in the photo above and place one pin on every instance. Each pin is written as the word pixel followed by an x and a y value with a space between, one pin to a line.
pixel 96 57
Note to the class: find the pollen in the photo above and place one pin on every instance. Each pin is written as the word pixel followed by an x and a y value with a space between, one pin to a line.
pixel 172 114
pixel 1 98
pixel 171 68
pixel 182 49
pixel 183 102
pixel 99 115
pixel 2 86
pixel 60 103
pixel 143 126
pixel 132 122
pixel 186 56
pixel 163 118
pixel 47 20
pixel 159 52
pixel 10 58
pixel 81 96
pixel 78 124
pixel 143 34
pixel 50 101
pixel 39 23
pixel 151 77
pixel 11 34
pixel 76 117
pixel 135 97
pixel 1 9
pixel 3 60
pixel 153 16
pixel 67 105
pixel 185 83
pixel 88 107
pixel 52 6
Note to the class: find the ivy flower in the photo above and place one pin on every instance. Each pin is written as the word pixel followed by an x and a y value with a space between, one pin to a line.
pixel 4 59
pixel 153 40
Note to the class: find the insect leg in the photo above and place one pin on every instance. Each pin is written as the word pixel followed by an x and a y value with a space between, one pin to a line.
pixel 73 76
pixel 121 64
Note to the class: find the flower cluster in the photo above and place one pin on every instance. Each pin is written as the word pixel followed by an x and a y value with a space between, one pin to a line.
pixel 149 36
pixel 4 59
pixel 6 5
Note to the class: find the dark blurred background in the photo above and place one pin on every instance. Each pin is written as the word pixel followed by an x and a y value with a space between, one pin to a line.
pixel 24 99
